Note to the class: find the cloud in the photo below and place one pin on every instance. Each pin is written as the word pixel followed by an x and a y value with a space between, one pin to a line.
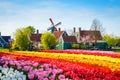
pixel 16 16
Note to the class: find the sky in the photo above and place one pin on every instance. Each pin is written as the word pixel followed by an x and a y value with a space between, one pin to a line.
pixel 16 14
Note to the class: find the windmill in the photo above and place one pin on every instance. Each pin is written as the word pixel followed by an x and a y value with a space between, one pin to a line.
pixel 53 26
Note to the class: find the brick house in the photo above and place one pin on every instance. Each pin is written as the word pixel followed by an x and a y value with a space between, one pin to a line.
pixel 90 37
pixel 35 39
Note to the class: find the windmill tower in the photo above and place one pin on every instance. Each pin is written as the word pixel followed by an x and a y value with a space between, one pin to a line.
pixel 53 27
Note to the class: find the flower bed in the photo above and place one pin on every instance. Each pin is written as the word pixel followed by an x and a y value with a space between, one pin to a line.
pixel 62 66
pixel 112 63
pixel 11 74
pixel 85 52
pixel 29 69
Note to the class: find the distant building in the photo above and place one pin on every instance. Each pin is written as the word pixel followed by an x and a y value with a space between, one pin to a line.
pixel 88 37
pixel 64 40
pixel 35 39
pixel 5 41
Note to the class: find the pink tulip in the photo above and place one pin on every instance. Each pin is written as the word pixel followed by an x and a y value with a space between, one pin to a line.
pixel 26 68
pixel 45 79
pixel 19 67
pixel 61 77
pixel 35 64
pixel 5 66
pixel 30 76
pixel 52 77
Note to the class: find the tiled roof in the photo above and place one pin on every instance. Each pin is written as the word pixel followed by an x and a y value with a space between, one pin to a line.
pixel 35 37
pixel 101 41
pixel 90 33
pixel 69 39
pixel 58 34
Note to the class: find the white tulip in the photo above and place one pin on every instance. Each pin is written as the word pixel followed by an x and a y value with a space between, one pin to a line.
pixel 20 78
pixel 13 78
pixel 24 77
pixel 0 74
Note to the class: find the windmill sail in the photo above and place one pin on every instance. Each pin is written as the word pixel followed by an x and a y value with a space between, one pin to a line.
pixel 58 24
pixel 53 26
pixel 49 28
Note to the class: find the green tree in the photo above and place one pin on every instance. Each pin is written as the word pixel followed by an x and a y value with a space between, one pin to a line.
pixel 30 30
pixel 111 39
pixel 22 35
pixel 48 40
pixel 118 40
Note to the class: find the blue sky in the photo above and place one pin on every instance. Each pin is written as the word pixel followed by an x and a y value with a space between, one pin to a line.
pixel 72 13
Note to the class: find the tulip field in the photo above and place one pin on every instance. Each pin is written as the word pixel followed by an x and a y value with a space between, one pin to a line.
pixel 60 65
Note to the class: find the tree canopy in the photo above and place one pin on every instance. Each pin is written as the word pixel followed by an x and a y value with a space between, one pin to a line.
pixel 48 40
pixel 22 37
pixel 112 40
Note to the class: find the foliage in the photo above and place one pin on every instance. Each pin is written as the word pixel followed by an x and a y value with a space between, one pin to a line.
pixel 75 46
pixel 4 50
pixel 48 41
pixel 83 46
pixel 22 41
pixel 30 29
pixel 112 40
pixel 79 46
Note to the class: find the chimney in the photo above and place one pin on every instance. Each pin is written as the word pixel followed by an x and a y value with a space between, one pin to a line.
pixel 74 30
pixel 79 28
pixel 37 31
pixel 79 34
pixel 59 29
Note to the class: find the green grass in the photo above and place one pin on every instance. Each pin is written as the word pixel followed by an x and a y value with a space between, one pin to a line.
pixel 4 50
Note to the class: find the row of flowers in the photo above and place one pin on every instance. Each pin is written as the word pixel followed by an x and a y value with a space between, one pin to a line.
pixel 21 68
pixel 11 74
pixel 74 70
pixel 85 52
pixel 112 63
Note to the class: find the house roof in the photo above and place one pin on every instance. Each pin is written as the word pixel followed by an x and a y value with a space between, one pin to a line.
pixel 6 38
pixel 69 39
pixel 35 37
pixel 91 33
pixel 58 34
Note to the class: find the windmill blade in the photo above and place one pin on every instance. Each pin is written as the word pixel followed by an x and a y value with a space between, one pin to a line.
pixel 58 24
pixel 50 28
pixel 51 21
